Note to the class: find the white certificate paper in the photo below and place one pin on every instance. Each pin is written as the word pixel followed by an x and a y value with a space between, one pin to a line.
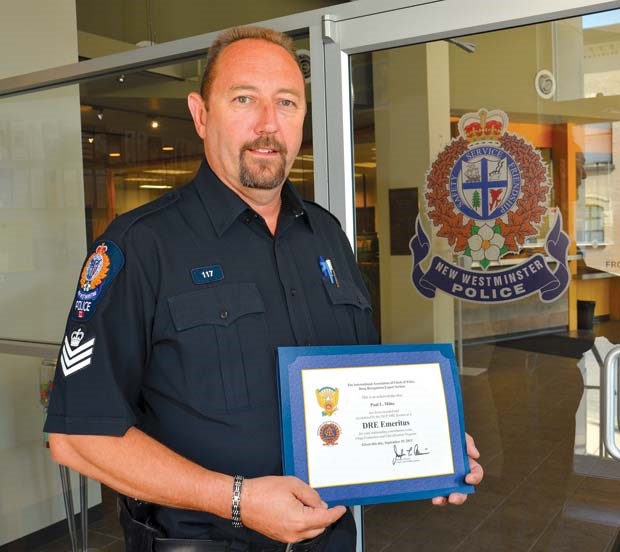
pixel 392 420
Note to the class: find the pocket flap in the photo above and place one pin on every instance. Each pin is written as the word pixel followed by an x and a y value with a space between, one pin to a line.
pixel 346 294
pixel 220 305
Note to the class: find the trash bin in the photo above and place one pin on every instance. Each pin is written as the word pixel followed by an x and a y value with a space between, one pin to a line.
pixel 585 314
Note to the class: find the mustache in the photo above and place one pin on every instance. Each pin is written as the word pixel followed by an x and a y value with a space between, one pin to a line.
pixel 265 142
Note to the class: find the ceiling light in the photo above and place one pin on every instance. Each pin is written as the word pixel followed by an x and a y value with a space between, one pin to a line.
pixel 91 139
pixel 305 157
pixel 144 179
pixel 121 78
pixel 155 187
pixel 167 171
pixel 167 148
pixel 100 114
pixel 114 154
pixel 367 165
pixel 154 123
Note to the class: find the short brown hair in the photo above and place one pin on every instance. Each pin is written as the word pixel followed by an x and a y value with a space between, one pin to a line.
pixel 226 38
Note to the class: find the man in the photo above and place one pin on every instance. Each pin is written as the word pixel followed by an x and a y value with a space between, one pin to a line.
pixel 166 386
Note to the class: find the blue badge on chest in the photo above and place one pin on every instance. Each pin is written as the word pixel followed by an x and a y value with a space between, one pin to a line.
pixel 207 274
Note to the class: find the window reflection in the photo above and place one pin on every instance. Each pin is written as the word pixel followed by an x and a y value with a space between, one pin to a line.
pixel 399 126
pixel 138 140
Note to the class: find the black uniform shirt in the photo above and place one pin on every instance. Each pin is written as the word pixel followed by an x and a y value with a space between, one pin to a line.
pixel 179 310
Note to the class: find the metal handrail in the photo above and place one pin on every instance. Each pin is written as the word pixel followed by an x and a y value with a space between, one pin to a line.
pixel 609 379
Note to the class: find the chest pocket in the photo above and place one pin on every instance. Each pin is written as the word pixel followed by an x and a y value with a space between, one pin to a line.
pixel 226 356
pixel 351 311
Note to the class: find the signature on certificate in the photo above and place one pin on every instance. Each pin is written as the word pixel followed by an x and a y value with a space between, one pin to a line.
pixel 407 455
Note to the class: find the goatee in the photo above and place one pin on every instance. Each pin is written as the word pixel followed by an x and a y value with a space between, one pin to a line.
pixel 263 175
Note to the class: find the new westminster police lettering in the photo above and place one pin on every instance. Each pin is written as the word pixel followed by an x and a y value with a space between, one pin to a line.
pixel 99 270
pixel 531 276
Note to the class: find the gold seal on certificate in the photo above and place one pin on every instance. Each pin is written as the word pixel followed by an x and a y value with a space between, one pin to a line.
pixel 327 398
pixel 400 436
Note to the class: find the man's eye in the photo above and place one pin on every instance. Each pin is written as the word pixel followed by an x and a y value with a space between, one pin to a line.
pixel 242 99
pixel 287 103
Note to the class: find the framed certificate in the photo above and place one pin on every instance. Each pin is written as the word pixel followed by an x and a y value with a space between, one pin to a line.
pixel 373 423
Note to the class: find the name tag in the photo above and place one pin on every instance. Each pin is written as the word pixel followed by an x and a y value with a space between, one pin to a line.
pixel 207 274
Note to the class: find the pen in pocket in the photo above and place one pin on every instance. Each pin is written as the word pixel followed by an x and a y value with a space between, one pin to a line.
pixel 332 272
pixel 325 271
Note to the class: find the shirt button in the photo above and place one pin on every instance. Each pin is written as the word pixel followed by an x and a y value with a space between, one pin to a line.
pixel 293 292
pixel 223 314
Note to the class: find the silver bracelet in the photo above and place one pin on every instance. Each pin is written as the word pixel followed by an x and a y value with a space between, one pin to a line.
pixel 236 502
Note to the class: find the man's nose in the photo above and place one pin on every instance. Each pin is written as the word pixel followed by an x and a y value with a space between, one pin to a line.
pixel 267 122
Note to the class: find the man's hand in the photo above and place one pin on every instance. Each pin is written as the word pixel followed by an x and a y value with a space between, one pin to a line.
pixel 472 478
pixel 285 509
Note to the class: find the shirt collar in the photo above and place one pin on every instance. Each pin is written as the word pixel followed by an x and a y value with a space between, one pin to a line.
pixel 292 203
pixel 224 206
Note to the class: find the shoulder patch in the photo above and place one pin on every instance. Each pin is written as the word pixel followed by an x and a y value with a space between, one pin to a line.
pixel 98 272
pixel 321 208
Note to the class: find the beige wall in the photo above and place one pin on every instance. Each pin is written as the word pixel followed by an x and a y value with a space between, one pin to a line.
pixel 42 244
pixel 36 35
pixel 126 20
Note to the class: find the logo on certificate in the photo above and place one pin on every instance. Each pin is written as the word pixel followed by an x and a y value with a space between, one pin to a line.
pixel 487 195
pixel 329 432
pixel 327 398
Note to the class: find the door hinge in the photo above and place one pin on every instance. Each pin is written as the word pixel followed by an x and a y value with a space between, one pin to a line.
pixel 330 31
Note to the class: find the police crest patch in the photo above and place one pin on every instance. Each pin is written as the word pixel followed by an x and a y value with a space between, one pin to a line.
pixel 100 268
pixel 486 193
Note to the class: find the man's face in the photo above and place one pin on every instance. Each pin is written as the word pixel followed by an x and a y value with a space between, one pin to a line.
pixel 255 113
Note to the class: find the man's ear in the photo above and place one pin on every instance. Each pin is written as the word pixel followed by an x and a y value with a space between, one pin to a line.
pixel 199 113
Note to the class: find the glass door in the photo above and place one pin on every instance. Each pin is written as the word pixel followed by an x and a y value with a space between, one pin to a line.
pixel 481 186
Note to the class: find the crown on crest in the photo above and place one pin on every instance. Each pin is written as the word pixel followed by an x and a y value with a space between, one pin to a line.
pixel 76 337
pixel 101 249
pixel 483 125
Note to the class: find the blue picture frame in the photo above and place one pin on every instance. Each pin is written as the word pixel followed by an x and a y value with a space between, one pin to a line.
pixel 291 362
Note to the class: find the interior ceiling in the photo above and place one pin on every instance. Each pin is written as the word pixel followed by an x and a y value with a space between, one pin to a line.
pixel 161 92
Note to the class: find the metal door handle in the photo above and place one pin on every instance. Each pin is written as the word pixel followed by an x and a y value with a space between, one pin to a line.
pixel 609 379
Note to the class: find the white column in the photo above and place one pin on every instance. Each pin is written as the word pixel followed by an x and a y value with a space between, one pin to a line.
pixel 412 124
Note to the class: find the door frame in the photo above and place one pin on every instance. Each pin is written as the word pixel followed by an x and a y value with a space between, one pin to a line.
pixel 401 25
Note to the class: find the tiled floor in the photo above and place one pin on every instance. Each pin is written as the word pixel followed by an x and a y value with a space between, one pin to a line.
pixel 105 534
pixel 521 410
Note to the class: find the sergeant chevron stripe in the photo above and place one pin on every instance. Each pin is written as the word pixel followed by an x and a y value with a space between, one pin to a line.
pixel 73 359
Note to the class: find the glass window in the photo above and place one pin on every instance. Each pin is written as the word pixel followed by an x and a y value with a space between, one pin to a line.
pixel 138 139
pixel 430 123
